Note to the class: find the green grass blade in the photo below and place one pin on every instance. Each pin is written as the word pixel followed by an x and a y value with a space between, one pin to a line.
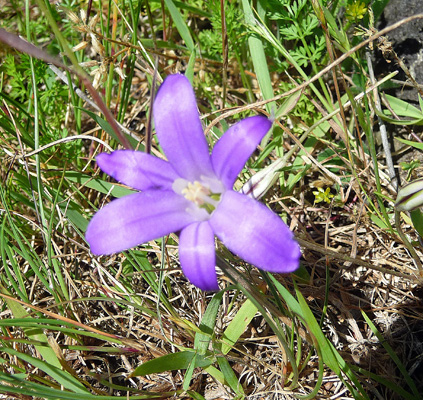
pixel 393 356
pixel 33 333
pixel 230 377
pixel 62 377
pixel 100 185
pixel 238 325
pixel 258 57
pixel 171 362
pixel 202 340
pixel 329 354
pixel 180 24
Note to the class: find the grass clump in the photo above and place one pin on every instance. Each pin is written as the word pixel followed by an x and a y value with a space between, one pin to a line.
pixel 345 325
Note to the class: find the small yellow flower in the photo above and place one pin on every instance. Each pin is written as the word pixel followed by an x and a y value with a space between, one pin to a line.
pixel 322 195
pixel 356 10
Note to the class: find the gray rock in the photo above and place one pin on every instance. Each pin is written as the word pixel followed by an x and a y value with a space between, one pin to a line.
pixel 407 42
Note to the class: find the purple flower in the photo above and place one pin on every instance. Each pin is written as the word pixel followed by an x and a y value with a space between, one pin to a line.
pixel 192 193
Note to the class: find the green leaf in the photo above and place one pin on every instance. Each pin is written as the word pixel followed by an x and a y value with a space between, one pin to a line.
pixel 378 221
pixel 238 325
pixel 202 340
pixel 289 103
pixel 62 377
pixel 393 356
pixel 258 57
pixel 416 145
pixel 328 352
pixel 171 362
pixel 99 185
pixel 215 373
pixel 230 377
pixel 420 102
pixel 394 121
pixel 188 374
pixel 378 6
pixel 321 340
pixel 195 395
pixel 402 108
pixel 189 72
pixel 417 218
pixel 180 24
pixel 33 333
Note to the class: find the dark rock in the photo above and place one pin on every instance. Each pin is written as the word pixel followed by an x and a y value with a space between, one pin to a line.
pixel 407 42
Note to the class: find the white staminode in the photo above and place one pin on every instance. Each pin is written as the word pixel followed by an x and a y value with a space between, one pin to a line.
pixel 205 194
pixel 197 193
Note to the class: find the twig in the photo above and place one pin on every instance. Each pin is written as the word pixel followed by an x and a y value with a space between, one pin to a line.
pixel 382 127
pixel 84 97
pixel 339 256
pixel 224 50
pixel 28 48
pixel 407 243
pixel 258 104
pixel 64 140
pixel 148 134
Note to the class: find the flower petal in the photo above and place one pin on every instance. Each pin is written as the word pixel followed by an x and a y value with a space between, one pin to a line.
pixel 179 129
pixel 255 233
pixel 235 147
pixel 135 219
pixel 197 255
pixel 139 170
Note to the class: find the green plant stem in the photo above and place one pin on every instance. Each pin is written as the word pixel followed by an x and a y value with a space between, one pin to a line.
pixel 382 126
pixel 407 243
pixel 40 206
pixel 262 305
pixel 45 8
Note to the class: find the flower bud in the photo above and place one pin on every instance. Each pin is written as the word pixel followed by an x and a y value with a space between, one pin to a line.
pixel 410 196
pixel 263 180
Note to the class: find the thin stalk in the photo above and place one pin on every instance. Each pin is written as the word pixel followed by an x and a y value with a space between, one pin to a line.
pixel 338 94
pixel 224 51
pixel 109 87
pixel 382 127
pixel 258 104
pixel 163 19
pixel 30 49
pixel 51 261
pixel 245 81
pixel 266 309
pixel 40 207
pixel 148 129
pixel 407 243
pixel 311 60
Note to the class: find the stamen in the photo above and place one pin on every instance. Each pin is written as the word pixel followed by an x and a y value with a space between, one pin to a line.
pixel 204 195
pixel 196 192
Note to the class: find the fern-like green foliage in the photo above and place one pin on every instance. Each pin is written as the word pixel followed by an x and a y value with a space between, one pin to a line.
pixel 211 39
pixel 52 101
pixel 50 90
pixel 18 76
pixel 298 28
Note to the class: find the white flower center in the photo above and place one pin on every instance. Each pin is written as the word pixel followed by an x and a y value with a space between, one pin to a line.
pixel 204 195
pixel 197 193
